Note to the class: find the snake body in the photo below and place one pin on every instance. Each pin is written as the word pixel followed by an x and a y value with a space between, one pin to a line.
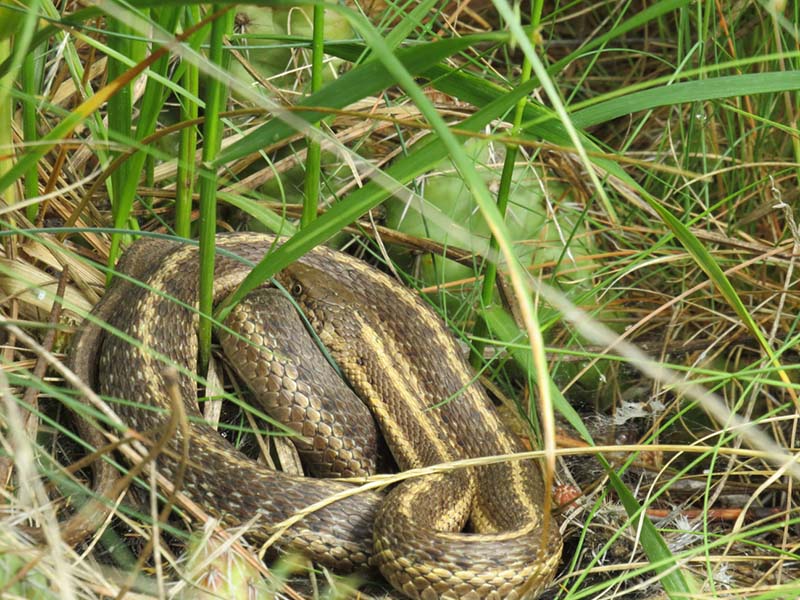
pixel 404 365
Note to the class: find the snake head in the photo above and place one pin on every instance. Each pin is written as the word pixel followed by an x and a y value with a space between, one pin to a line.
pixel 306 285
pixel 326 301
pixel 322 296
pixel 313 288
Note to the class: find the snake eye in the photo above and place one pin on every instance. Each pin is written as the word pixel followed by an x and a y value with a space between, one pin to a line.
pixel 297 289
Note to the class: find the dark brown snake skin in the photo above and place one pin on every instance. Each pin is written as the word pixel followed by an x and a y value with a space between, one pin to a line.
pixel 404 365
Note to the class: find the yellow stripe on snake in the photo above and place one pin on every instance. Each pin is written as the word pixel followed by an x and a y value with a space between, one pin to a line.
pixel 399 358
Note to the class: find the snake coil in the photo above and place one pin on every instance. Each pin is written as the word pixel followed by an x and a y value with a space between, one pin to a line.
pixel 401 361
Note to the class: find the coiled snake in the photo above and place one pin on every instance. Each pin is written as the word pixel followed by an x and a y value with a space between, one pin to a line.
pixel 401 361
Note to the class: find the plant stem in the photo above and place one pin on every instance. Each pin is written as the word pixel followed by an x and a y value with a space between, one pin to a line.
pixel 216 94
pixel 188 145
pixel 30 86
pixel 6 114
pixel 490 269
pixel 314 153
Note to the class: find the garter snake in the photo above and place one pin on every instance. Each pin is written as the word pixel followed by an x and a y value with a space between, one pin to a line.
pixel 401 361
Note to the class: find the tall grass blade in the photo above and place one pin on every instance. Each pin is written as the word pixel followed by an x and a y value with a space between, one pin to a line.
pixel 216 96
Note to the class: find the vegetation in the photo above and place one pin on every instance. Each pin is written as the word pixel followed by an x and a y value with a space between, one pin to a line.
pixel 599 198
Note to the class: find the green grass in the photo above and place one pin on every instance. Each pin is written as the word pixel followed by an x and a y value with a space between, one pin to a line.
pixel 660 143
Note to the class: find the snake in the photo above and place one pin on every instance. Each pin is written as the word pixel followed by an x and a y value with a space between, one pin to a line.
pixel 405 377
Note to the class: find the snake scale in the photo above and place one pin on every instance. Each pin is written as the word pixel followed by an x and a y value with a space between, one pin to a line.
pixel 401 361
